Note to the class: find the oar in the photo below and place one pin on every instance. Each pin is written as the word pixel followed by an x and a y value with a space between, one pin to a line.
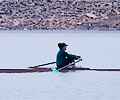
pixel 57 70
pixel 42 65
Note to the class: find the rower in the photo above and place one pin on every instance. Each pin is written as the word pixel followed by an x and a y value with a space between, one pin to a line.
pixel 63 58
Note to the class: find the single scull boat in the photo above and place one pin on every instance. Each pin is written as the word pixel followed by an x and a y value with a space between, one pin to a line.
pixel 49 70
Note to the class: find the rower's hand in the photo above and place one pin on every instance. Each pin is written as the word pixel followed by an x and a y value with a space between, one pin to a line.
pixel 80 59
pixel 78 56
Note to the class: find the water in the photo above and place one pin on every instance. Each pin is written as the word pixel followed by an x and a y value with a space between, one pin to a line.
pixel 21 49
pixel 85 85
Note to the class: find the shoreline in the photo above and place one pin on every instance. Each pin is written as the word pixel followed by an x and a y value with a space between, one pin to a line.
pixel 60 15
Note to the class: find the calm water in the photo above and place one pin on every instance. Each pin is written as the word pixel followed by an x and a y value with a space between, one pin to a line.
pixel 21 49
pixel 80 85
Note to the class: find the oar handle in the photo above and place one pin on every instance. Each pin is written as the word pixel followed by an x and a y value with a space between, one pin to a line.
pixel 69 65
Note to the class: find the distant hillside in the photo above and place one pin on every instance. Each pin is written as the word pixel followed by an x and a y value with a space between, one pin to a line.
pixel 59 14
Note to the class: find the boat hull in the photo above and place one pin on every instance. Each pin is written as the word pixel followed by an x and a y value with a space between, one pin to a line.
pixel 36 70
pixel 49 69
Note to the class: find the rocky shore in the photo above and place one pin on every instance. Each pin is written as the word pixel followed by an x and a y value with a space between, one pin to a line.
pixel 59 14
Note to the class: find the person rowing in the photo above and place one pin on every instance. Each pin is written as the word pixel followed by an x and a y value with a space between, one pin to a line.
pixel 63 58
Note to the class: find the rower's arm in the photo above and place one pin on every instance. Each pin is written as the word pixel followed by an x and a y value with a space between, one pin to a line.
pixel 70 56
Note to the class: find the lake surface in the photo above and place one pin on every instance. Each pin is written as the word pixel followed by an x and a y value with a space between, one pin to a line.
pixel 21 49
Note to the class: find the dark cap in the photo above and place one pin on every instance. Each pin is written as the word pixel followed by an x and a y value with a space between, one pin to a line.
pixel 63 44
pixel 60 45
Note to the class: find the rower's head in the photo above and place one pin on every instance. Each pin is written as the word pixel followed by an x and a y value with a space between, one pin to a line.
pixel 62 46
